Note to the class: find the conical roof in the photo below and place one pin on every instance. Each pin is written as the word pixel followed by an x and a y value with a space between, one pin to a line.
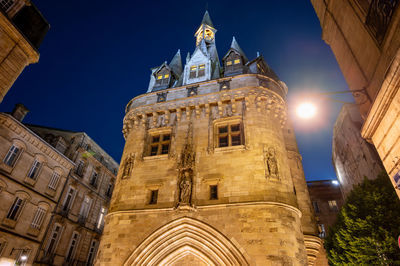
pixel 176 63
pixel 207 20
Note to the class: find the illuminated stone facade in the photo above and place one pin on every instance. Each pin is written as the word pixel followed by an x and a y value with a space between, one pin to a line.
pixel 364 35
pixel 22 29
pixel 210 173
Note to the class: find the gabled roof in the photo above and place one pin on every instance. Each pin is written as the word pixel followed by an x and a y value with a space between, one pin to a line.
pixel 236 48
pixel 207 20
pixel 266 69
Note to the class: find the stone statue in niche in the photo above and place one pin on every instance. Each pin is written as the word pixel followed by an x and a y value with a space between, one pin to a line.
pixel 128 165
pixel 185 187
pixel 271 163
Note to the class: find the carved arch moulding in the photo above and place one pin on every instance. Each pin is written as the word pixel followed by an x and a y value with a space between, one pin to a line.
pixel 191 237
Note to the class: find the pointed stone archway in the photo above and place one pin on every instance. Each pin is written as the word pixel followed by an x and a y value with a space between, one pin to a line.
pixel 186 240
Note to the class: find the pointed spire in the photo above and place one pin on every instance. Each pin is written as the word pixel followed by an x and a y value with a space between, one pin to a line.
pixel 188 57
pixel 207 20
pixel 235 46
pixel 176 63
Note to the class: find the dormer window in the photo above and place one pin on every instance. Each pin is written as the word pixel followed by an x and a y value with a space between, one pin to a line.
pixel 236 61
pixel 162 77
pixel 197 71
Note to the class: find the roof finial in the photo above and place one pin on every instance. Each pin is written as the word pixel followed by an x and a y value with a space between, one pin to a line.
pixel 206 6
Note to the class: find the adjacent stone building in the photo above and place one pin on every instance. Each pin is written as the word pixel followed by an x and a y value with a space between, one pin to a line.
pixel 327 199
pixel 210 173
pixel 32 177
pixel 55 188
pixel 22 29
pixel 352 156
pixel 364 35
pixel 77 224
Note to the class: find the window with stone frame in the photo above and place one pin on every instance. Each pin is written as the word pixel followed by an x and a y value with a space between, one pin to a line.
pixel 197 71
pixel 12 155
pixel 193 72
pixel 159 143
pixel 202 70
pixel 92 252
pixel 229 133
pixel 80 166
pixel 153 196
pixel 55 177
pixel 38 218
pixel 53 240
pixel 72 247
pixel 93 179
pixel 213 192
pixel 16 208
pixel 163 77
pixel 35 168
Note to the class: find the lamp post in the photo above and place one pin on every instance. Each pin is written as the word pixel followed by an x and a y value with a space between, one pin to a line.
pixel 308 109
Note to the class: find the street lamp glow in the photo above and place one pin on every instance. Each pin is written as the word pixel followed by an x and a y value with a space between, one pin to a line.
pixel 24 258
pixel 335 182
pixel 306 110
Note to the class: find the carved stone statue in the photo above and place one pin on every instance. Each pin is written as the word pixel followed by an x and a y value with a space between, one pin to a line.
pixel 128 165
pixel 271 163
pixel 185 186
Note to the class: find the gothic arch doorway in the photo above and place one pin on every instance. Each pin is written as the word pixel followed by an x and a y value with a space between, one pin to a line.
pixel 183 241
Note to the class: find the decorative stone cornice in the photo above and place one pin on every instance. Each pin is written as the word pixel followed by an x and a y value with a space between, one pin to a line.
pixel 313 245
pixel 26 134
pixel 254 98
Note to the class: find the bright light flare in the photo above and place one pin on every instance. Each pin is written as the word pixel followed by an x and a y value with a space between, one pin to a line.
pixel 306 110
pixel 24 258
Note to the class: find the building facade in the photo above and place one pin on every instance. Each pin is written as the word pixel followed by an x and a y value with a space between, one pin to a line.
pixel 210 173
pixel 327 199
pixel 74 232
pixel 364 35
pixel 32 177
pixel 352 156
pixel 22 29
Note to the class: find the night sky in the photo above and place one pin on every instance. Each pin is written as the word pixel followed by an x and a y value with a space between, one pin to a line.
pixel 98 54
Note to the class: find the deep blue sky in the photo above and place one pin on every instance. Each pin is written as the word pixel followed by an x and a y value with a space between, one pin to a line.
pixel 98 54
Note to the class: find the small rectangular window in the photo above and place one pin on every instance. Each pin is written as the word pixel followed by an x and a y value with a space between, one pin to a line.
pixel 33 172
pixel 166 76
pixel 100 220
pixel 223 129
pixel 156 139
pixel 166 137
pixel 72 246
pixel 237 61
pixel 165 148
pixel 11 156
pixel 51 246
pixel 213 192
pixel 159 76
pixel 80 167
pixel 68 199
pixel 193 68
pixel 153 196
pixel 93 179
pixel 202 71
pixel 92 252
pixel 154 150
pixel 228 63
pixel 223 141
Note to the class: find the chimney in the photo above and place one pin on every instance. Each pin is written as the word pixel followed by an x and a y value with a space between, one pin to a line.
pixel 19 112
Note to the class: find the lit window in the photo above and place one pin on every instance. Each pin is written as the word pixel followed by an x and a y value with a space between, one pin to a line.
pixel 229 135
pixel 153 196
pixel 193 68
pixel 39 217
pixel 160 144
pixel 11 156
pixel 237 61
pixel 202 66
pixel 33 172
pixel 15 209
pixel 228 63
pixel 159 76
pixel 202 71
pixel 166 76
pixel 213 192
pixel 333 205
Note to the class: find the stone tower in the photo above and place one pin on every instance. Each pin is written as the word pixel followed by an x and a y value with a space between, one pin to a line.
pixel 210 173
